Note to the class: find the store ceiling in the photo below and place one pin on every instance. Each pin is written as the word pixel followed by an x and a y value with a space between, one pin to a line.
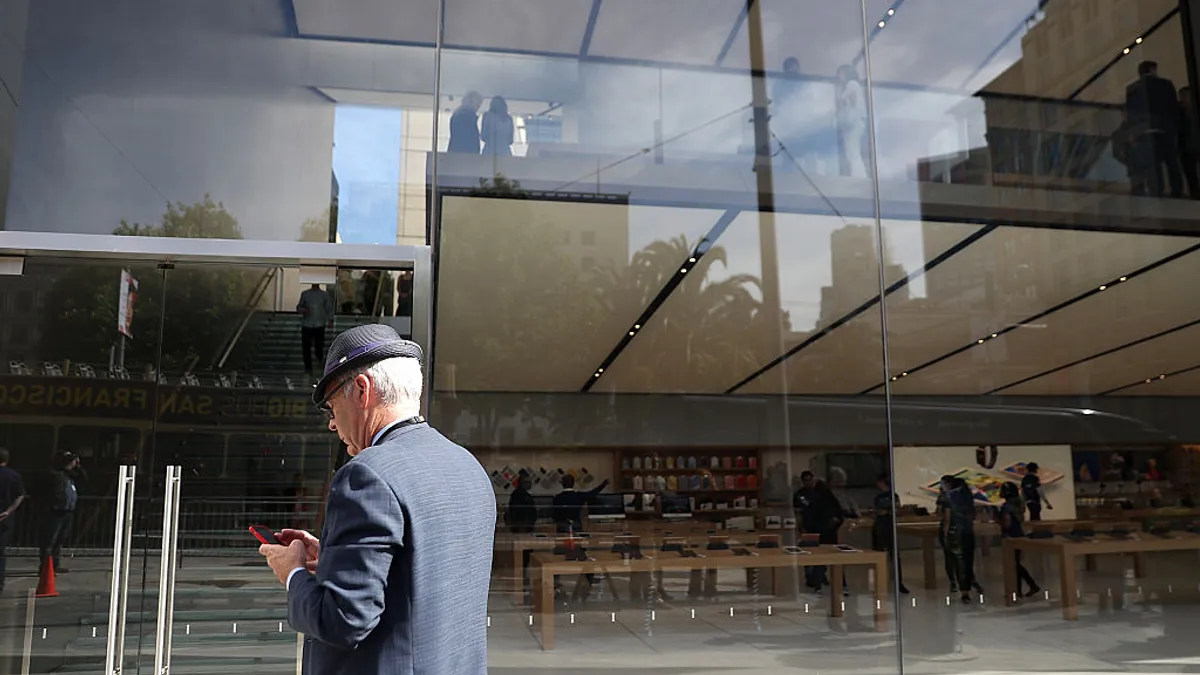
pixel 521 309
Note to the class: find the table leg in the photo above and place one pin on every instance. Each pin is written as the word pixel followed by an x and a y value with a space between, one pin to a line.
pixel 927 551
pixel 1009 555
pixel 1066 574
pixel 1139 565
pixel 518 566
pixel 836 573
pixel 882 589
pixel 545 612
pixel 1089 563
pixel 985 545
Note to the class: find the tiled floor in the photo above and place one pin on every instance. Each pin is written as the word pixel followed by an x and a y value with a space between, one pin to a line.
pixel 1156 630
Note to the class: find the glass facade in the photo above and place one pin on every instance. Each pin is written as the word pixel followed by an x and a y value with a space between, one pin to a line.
pixel 769 277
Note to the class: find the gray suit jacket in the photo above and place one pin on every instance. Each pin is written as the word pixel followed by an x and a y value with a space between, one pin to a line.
pixel 402 582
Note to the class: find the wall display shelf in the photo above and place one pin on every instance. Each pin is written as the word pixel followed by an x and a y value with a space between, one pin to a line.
pixel 719 481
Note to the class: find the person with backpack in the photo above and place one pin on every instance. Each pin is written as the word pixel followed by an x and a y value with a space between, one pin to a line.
pixel 1010 516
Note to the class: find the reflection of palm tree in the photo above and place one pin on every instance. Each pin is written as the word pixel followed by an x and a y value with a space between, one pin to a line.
pixel 702 329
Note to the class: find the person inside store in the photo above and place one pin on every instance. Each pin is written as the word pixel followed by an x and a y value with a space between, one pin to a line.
pixel 316 314
pixel 958 525
pixel 12 495
pixel 1189 141
pixel 464 125
pixel 568 504
pixel 521 514
pixel 496 129
pixel 820 513
pixel 66 473
pixel 883 529
pixel 1011 512
pixel 398 582
pixel 1152 111
pixel 1033 493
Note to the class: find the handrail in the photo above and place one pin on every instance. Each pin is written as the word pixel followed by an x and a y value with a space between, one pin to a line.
pixel 256 295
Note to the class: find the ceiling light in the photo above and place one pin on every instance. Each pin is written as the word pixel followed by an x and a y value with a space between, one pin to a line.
pixel 995 335
pixel 1103 287
pixel 903 374
pixel 692 259
pixel 1139 41
pixel 1149 381
pixel 1124 278
pixel 598 375
pixel 980 340
pixel 1162 377
pixel 1126 50
pixel 892 12
pixel 683 270
pixel 637 326
pixel 882 24
pixel 600 371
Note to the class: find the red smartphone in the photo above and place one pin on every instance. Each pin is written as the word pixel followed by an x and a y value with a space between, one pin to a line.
pixel 264 534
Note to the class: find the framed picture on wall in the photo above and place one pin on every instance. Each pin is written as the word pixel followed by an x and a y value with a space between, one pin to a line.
pixel 985 487
pixel 1016 470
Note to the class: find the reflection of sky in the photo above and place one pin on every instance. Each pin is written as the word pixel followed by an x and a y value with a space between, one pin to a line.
pixel 366 159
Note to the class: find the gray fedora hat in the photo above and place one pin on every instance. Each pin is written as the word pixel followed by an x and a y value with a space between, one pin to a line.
pixel 360 346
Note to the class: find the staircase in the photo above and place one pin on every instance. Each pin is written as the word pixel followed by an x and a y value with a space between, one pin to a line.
pixel 271 346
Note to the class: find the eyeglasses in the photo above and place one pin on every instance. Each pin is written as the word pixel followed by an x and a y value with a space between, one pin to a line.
pixel 324 407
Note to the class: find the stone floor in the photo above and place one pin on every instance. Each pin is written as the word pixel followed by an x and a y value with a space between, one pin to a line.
pixel 230 617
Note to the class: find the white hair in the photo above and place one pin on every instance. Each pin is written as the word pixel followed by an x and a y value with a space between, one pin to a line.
pixel 398 381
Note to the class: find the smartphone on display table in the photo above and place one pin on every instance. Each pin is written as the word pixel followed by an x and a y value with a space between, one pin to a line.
pixel 794 550
pixel 845 548
pixel 264 534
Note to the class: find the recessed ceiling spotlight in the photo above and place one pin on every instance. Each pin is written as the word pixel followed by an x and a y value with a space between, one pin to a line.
pixel 1124 278
pixel 683 270
pixel 1126 50
pixel 892 12
pixel 1139 41
pixel 882 24
pixel 1103 288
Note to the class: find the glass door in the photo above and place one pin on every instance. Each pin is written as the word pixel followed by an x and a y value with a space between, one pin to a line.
pixel 78 395
pixel 236 417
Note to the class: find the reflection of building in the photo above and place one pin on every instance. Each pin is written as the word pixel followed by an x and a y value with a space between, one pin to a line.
pixel 853 271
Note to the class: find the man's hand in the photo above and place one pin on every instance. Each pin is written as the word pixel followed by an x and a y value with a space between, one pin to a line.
pixel 312 546
pixel 284 559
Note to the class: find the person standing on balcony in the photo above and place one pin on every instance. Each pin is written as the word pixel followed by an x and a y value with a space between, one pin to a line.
pixel 851 110
pixel 316 313
pixel 1152 110
pixel 498 129
pixel 12 494
pixel 464 125
pixel 398 582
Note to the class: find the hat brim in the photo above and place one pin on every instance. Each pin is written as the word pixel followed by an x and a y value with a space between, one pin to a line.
pixel 391 349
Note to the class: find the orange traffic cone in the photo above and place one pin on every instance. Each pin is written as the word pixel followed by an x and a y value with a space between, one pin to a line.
pixel 45 587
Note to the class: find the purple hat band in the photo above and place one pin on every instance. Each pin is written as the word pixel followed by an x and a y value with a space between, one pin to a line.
pixel 357 353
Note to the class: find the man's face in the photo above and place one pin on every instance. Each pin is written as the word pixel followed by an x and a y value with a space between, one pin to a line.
pixel 349 415
pixel 807 479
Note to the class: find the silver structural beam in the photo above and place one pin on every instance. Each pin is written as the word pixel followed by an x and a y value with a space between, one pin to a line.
pixel 166 571
pixel 422 316
pixel 119 594
pixel 178 250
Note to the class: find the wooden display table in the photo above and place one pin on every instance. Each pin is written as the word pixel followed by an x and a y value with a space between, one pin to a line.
pixel 545 567
pixel 650 533
pixel 1067 550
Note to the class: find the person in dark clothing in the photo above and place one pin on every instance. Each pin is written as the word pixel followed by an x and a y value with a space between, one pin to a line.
pixel 64 496
pixel 883 532
pixel 824 517
pixel 568 504
pixel 941 508
pixel 464 125
pixel 1152 112
pixel 1010 527
pixel 12 494
pixel 497 129
pixel 522 510
pixel 1032 492
pixel 958 523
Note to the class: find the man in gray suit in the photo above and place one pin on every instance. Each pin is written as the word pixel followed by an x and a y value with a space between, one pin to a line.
pixel 398 582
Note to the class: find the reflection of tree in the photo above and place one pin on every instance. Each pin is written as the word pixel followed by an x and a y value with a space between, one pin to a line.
pixel 316 229
pixel 204 304
pixel 707 330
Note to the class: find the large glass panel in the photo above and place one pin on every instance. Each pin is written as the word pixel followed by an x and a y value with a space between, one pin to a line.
pixel 283 112
pixel 79 379
pixel 652 220
pixel 1040 162
pixel 236 415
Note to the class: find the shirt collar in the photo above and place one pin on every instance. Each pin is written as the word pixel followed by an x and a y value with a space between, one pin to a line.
pixel 380 434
